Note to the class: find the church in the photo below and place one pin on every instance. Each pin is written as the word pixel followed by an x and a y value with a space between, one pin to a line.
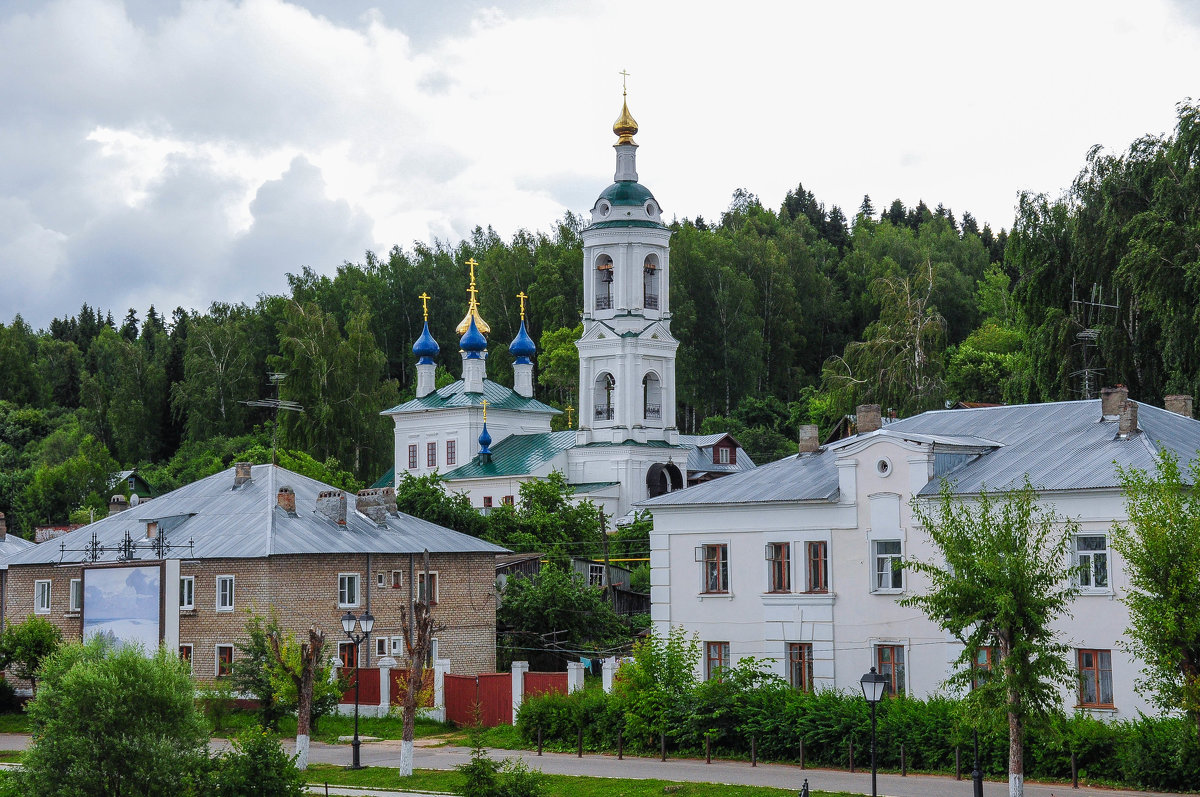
pixel 485 439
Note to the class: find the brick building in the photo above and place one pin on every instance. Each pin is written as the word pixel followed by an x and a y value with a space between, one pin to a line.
pixel 252 539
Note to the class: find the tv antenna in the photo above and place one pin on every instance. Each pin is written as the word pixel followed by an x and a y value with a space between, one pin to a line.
pixel 275 378
pixel 1090 314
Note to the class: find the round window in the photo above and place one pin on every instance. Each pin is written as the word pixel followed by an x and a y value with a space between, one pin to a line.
pixel 651 208
pixel 884 467
pixel 604 208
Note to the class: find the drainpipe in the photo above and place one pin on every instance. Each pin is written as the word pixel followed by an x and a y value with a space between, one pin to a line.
pixel 367 588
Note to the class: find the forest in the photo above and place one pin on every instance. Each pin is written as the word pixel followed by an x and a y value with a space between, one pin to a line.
pixel 785 315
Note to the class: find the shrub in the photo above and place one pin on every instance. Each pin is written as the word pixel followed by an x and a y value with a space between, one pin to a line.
pixel 257 766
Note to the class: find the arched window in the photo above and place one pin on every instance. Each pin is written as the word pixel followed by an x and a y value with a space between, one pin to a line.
pixel 651 397
pixel 604 282
pixel 650 283
pixel 605 387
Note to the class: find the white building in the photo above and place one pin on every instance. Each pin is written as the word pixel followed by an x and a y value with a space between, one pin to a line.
pixel 486 439
pixel 792 561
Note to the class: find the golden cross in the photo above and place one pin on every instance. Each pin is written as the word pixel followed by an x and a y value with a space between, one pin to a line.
pixel 623 75
pixel 471 290
pixel 570 410
pixel 485 403
pixel 522 297
pixel 425 297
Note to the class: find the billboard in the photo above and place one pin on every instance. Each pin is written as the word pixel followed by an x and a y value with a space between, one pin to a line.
pixel 124 604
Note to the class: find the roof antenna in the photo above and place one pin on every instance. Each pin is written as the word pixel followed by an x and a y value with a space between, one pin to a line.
pixel 275 378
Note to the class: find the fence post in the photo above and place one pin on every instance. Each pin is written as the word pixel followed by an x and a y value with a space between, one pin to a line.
pixel 1074 771
pixel 662 743
pixel 539 740
pixel 440 668
pixel 580 754
pixel 385 684
pixel 707 749
pixel 574 676
pixel 802 754
pixel 903 763
pixel 957 762
pixel 608 669
pixel 621 745
pixel 519 668
pixel 753 750
pixel 852 754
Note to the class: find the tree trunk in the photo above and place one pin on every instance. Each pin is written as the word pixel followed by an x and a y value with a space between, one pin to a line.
pixel 1016 753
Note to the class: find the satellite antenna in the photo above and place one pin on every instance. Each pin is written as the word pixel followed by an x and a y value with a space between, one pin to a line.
pixel 275 378
pixel 1089 314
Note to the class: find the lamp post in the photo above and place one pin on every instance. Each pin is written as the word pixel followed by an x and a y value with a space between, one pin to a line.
pixel 366 622
pixel 872 685
pixel 977 773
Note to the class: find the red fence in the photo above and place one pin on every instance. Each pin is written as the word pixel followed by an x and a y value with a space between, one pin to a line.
pixel 369 688
pixel 543 683
pixel 400 686
pixel 486 698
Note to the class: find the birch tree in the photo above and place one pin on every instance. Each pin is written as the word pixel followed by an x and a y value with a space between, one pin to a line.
pixel 418 630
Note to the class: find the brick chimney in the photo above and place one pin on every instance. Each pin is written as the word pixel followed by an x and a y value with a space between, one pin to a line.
pixel 1128 424
pixel 1111 399
pixel 3 527
pixel 869 419
pixel 1180 405
pixel 241 473
pixel 118 503
pixel 810 439
pixel 331 504
pixel 371 503
pixel 286 498
pixel 389 500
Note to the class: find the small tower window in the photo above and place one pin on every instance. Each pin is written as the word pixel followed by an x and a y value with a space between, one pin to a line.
pixel 650 283
pixel 604 282
pixel 605 386
pixel 651 398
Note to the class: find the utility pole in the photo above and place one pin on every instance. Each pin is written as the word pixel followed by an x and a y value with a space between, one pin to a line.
pixel 612 596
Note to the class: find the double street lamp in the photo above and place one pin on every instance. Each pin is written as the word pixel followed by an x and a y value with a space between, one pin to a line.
pixel 873 685
pixel 366 622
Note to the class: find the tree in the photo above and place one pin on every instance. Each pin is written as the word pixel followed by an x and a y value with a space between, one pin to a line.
pixel 257 766
pixel 1003 577
pixel 252 669
pixel 1161 547
pixel 26 645
pixel 299 668
pixel 112 721
pixel 418 631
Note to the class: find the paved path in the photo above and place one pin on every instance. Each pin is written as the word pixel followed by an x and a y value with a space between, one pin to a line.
pixel 428 755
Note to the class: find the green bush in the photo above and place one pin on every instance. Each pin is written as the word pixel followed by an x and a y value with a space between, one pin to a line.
pixel 257 766
pixel 488 778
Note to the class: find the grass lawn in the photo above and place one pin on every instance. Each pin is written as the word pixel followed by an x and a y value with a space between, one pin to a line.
pixel 16 722
pixel 559 785
pixel 330 728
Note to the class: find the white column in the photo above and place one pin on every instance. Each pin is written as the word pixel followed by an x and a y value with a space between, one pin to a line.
pixel 574 676
pixel 334 664
pixel 425 379
pixel 385 684
pixel 440 668
pixel 608 670
pixel 523 379
pixel 519 668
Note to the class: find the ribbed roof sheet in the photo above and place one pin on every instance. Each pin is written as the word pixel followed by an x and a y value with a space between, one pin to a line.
pixel 454 396
pixel 246 523
pixel 800 477
pixel 516 455
pixel 10 546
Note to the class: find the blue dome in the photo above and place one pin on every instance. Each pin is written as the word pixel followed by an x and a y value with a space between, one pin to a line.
pixel 473 341
pixel 522 346
pixel 426 347
pixel 485 440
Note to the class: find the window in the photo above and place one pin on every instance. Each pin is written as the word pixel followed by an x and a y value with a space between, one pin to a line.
pixel 224 593
pixel 1095 678
pixel 348 654
pixel 716 658
pixel 41 597
pixel 800 666
pixel 187 592
pixel 816 555
pixel 224 660
pixel 185 654
pixel 433 653
pixel 596 575
pixel 397 646
pixel 451 452
pixel 431 455
pixel 723 455
pixel 716 568
pixel 889 661
pixel 985 662
pixel 397 579
pixel 888 575
pixel 381 646
pixel 1091 557
pixel 433 591
pixel 347 590
pixel 507 500
pixel 412 456
pixel 779 577
pixel 487 502
pixel 76 595
pixel 380 580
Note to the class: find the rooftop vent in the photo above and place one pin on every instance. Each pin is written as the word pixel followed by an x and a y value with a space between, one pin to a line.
pixel 241 473
pixel 1180 405
pixel 1111 399
pixel 331 504
pixel 869 419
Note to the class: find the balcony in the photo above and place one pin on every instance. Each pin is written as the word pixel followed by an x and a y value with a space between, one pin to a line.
pixel 604 302
pixel 654 411
pixel 651 301
pixel 605 412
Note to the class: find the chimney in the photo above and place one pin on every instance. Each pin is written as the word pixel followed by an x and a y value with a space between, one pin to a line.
pixel 286 499
pixel 331 504
pixel 1180 405
pixel 1111 399
pixel 810 439
pixel 241 473
pixel 3 527
pixel 151 529
pixel 868 418
pixel 117 504
pixel 389 500
pixel 372 504
pixel 1128 419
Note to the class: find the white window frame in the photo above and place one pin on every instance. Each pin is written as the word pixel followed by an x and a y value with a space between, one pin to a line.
pixel 785 548
pixel 75 592
pixel 344 590
pixel 191 593
pixel 726 570
pixel 40 587
pixel 232 593
pixel 397 646
pixel 397 579
pixel 891 589
pixel 217 659
pixel 381 646
pixel 595 574
pixel 381 579
pixel 437 586
pixel 1085 565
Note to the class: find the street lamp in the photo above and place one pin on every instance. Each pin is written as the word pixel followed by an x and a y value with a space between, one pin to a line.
pixel 872 685
pixel 977 773
pixel 366 622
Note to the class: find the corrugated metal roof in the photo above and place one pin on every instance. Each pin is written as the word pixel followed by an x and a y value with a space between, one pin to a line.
pixel 700 458
pixel 808 477
pixel 247 523
pixel 386 480
pixel 591 487
pixel 516 455
pixel 455 395
pixel 10 546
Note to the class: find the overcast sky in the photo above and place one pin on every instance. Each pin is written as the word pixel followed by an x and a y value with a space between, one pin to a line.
pixel 176 153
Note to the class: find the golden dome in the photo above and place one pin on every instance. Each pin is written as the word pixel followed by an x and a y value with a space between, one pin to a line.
pixel 480 324
pixel 625 126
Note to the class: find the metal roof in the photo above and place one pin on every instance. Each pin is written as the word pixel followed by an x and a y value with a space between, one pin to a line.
pixel 454 396
pixel 10 546
pixel 592 487
pixel 224 522
pixel 516 455
pixel 807 477
pixel 700 458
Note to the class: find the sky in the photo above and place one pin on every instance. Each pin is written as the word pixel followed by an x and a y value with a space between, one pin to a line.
pixel 180 152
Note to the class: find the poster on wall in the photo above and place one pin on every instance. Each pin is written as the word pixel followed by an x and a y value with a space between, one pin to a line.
pixel 124 604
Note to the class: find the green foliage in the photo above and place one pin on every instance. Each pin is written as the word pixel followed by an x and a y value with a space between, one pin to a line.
pixel 545 518
pixel 1160 544
pixel 485 777
pixel 327 692
pixel 217 701
pixel 257 766
pixel 25 646
pixel 423 497
pixel 114 721
pixel 252 670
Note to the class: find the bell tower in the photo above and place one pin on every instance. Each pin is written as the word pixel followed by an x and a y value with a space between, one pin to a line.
pixel 627 352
